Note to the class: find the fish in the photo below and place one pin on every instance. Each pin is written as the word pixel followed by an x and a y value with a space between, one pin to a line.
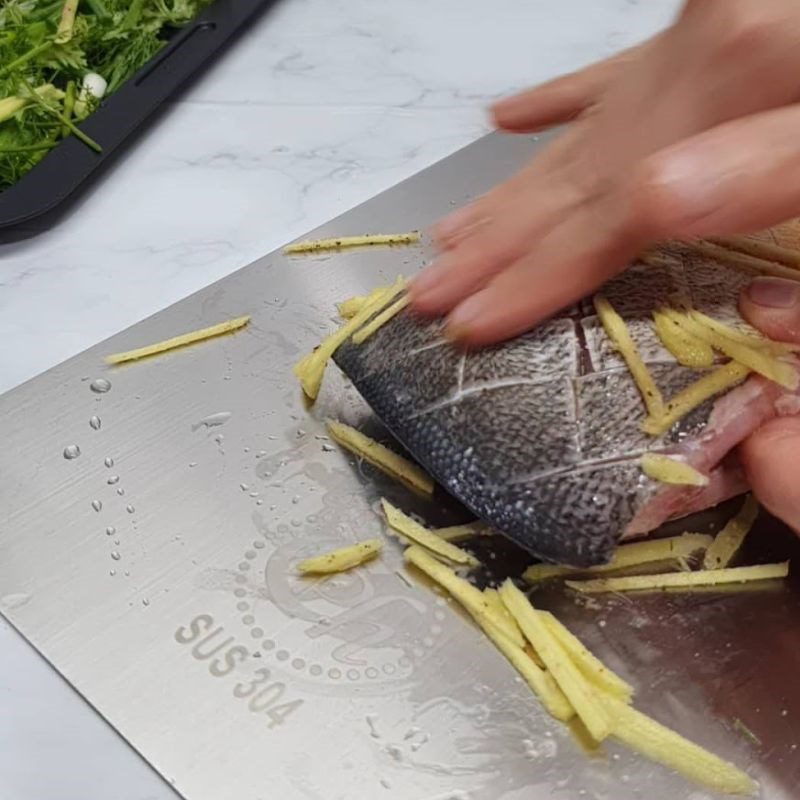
pixel 540 436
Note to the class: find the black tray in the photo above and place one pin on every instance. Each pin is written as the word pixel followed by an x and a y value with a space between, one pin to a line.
pixel 42 194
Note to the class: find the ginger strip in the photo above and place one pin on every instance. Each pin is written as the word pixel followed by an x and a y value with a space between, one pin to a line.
pixel 476 602
pixel 342 242
pixel 341 560
pixel 381 319
pixel 539 680
pixel 663 745
pixel 637 554
pixel 755 358
pixel 743 261
pixel 417 534
pixel 617 332
pixel 501 614
pixel 665 469
pixel 760 249
pixel 578 690
pixel 350 307
pixel 716 382
pixel 687 349
pixel 590 665
pixel 730 539
pixel 381 457
pixel 179 341
pixel 311 368
pixel 750 339
pixel 682 580
pixel 457 533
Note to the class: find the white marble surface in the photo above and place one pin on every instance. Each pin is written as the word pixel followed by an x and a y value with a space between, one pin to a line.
pixel 323 104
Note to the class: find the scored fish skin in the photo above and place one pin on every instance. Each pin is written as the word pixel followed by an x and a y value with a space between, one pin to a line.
pixel 540 436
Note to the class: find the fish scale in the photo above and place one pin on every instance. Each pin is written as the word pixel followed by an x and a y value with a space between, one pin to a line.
pixel 540 436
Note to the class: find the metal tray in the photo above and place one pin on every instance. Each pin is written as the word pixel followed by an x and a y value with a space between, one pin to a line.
pixel 234 678
pixel 43 193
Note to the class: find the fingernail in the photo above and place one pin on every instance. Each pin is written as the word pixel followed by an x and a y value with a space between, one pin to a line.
pixel 448 226
pixel 462 319
pixel 424 282
pixel 774 292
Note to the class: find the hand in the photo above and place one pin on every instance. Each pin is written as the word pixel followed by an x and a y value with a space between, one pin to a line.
pixel 694 133
pixel 770 455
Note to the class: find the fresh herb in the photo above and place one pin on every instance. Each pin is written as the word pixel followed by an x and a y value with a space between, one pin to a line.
pixel 59 58
pixel 746 732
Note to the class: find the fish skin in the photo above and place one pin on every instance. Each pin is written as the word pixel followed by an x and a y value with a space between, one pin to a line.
pixel 540 436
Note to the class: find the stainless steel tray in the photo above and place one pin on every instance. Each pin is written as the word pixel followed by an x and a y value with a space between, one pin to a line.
pixel 173 610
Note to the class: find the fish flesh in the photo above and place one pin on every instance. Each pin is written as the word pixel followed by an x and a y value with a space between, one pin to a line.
pixel 540 436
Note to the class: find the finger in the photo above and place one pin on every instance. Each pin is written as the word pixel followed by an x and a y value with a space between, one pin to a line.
pixel 773 306
pixel 498 227
pixel 558 100
pixel 769 457
pixel 490 247
pixel 458 225
pixel 592 244
pixel 740 176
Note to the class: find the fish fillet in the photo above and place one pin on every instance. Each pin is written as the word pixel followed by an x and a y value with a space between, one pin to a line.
pixel 540 436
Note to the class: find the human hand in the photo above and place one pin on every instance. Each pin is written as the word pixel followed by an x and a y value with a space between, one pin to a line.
pixel 770 455
pixel 692 134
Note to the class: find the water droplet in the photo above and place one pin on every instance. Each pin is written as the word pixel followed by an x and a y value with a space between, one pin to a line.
pixel 120 491
pixel 192 464
pixel 244 487
pixel 95 423
pixel 100 385
pixel 127 574
pixel 213 420
pixel 97 505
pixel 71 451
pixel 112 572
pixel 130 509
pixel 300 433
pixel 328 448
pixel 219 438
pixel 110 530
pixel 116 556
pixel 112 480
pixel 145 601
pixel 295 499
pixel 109 462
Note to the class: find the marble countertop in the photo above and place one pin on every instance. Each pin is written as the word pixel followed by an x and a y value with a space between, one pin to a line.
pixel 323 104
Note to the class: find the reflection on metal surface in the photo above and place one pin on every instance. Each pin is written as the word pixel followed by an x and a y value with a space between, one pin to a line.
pixel 236 678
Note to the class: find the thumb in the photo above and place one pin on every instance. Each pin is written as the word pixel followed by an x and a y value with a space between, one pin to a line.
pixel 773 306
pixel 769 457
pixel 770 454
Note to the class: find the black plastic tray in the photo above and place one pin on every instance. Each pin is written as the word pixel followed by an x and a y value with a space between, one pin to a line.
pixel 41 195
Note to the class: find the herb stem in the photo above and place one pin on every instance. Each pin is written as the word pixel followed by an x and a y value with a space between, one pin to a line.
pixel 76 132
pixel 25 57
pixel 66 25
pixel 30 148
pixel 69 105
pixel 98 8
pixel 131 19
